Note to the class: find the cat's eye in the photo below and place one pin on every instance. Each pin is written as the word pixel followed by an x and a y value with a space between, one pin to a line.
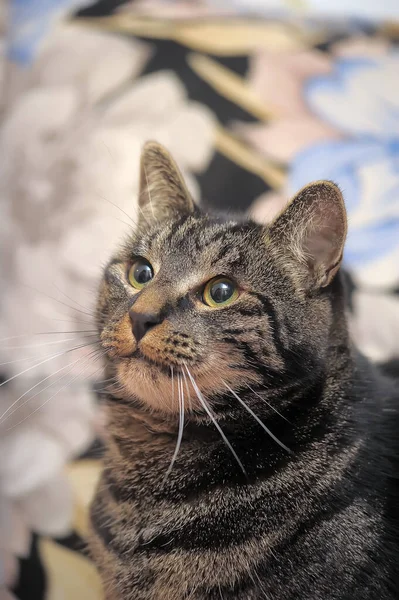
pixel 140 273
pixel 220 291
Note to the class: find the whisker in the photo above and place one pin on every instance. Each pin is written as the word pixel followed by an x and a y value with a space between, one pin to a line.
pixel 12 362
pixel 49 343
pixel 121 221
pixel 209 413
pixel 24 335
pixel 259 581
pixel 69 297
pixel 51 397
pixel 105 380
pixel 6 414
pixel 104 390
pixel 119 208
pixel 89 314
pixel 71 322
pixel 268 404
pixel 181 426
pixel 26 358
pixel 109 387
pixel 173 383
pixel 188 391
pixel 45 361
pixel 257 419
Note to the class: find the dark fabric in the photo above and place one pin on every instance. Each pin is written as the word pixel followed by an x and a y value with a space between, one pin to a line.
pixel 32 580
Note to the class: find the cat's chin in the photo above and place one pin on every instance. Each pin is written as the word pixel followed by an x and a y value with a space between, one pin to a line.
pixel 161 386
pixel 156 385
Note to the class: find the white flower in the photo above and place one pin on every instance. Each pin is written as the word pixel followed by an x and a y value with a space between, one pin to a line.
pixel 72 142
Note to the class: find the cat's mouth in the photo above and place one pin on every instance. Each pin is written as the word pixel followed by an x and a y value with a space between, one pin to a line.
pixel 165 366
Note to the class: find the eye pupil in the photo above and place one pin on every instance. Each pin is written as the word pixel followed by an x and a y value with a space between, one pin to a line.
pixel 221 292
pixel 142 273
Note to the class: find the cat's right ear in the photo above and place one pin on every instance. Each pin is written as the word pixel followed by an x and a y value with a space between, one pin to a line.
pixel 162 192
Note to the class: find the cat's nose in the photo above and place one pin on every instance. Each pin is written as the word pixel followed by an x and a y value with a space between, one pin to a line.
pixel 142 323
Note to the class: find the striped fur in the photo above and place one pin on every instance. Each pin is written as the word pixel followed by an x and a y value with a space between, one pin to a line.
pixel 307 509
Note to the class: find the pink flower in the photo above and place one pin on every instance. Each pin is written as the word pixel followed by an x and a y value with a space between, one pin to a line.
pixel 279 80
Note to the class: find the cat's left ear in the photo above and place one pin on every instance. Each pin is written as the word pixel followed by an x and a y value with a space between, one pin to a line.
pixel 162 192
pixel 310 233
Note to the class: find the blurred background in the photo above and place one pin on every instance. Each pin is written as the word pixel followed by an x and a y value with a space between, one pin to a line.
pixel 254 98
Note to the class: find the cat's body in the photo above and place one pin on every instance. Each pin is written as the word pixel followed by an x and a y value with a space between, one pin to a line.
pixel 305 510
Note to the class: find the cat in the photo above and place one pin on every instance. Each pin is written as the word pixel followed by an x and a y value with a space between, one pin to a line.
pixel 252 451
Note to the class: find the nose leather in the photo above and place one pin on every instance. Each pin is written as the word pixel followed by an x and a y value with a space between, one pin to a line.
pixel 142 323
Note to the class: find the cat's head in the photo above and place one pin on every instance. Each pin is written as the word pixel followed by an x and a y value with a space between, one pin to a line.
pixel 206 305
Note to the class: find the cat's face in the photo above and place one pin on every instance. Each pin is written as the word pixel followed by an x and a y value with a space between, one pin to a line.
pixel 200 306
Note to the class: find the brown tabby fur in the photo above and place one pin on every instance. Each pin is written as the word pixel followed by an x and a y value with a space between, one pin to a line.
pixel 300 517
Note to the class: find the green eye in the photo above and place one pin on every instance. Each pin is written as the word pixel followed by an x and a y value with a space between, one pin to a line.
pixel 220 292
pixel 140 273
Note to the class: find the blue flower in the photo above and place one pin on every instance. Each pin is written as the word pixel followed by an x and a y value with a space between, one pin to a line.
pixel 30 21
pixel 360 99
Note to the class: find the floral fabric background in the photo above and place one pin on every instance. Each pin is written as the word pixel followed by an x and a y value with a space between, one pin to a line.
pixel 254 100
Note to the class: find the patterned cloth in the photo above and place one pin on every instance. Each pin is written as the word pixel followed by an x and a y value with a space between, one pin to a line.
pixel 251 109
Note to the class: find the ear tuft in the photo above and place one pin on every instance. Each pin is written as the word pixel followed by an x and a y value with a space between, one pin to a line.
pixel 162 191
pixel 312 228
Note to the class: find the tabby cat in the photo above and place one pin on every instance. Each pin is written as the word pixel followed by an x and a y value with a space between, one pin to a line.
pixel 252 452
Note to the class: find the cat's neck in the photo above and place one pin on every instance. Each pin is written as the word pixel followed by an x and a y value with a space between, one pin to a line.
pixel 295 416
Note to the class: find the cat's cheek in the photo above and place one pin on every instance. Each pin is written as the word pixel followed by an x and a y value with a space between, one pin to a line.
pixel 223 365
pixel 120 342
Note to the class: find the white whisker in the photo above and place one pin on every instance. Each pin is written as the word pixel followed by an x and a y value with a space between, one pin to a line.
pixel 7 413
pixel 51 397
pixel 257 419
pixel 105 380
pixel 85 312
pixel 119 208
pixel 50 343
pixel 188 391
pixel 27 335
pixel 173 383
pixel 181 426
pixel 268 404
pixel 209 413
pixel 82 321
pixel 27 358
pixel 17 360
pixel 69 297
pixel 45 361
pixel 104 390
